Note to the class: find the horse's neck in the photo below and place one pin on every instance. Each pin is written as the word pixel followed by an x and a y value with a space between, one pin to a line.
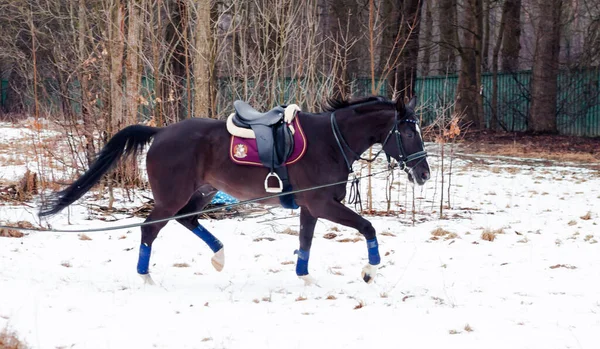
pixel 361 131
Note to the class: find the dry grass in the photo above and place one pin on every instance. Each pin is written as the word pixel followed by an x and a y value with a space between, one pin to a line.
pixel 572 222
pixel 330 236
pixel 451 236
pixel 11 233
pixel 454 332
pixel 84 237
pixel 289 231
pixel 439 232
pixel 567 266
pixel 356 239
pixel 512 170
pixel 361 304
pixel 468 328
pixel 331 297
pixel 488 236
pixel 387 233
pixel 587 216
pixel 301 298
pixel 287 262
pixel 181 265
pixel 66 264
pixel 336 229
pixel 263 238
pixel 9 340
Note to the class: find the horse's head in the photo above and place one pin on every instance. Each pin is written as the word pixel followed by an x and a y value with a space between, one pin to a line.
pixel 406 143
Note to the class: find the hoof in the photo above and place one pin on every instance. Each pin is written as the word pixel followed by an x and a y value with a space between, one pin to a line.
pixel 308 280
pixel 218 259
pixel 369 272
pixel 147 279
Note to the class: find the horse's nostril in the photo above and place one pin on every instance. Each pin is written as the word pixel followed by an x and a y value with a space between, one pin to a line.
pixel 425 175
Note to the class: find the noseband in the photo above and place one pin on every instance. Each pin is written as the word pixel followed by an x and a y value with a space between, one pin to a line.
pixel 394 130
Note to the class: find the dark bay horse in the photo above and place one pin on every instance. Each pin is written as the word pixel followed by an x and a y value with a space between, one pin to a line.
pixel 188 162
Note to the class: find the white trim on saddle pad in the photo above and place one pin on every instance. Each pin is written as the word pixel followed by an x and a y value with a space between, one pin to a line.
pixel 289 114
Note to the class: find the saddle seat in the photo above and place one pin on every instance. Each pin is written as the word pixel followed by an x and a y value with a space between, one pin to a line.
pixel 274 136
pixel 246 116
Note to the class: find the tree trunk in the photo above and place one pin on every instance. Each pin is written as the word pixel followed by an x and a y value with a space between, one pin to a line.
pixel 511 45
pixel 173 87
pixel 133 68
pixel 485 53
pixel 391 18
pixel 494 122
pixel 202 59
pixel 545 67
pixel 116 48
pixel 86 107
pixel 468 100
pixel 448 28
pixel 428 35
pixel 156 30
pixel 406 71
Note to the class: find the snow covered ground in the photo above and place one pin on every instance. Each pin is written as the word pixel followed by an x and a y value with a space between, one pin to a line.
pixel 536 285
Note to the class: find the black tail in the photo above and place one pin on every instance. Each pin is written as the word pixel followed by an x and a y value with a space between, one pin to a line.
pixel 131 139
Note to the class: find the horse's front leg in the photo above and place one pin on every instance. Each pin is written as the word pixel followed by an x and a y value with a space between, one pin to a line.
pixel 336 212
pixel 307 230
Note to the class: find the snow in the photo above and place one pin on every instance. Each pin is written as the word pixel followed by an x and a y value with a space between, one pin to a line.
pixel 59 291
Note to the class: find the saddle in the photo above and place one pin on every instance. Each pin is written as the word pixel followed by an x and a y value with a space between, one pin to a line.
pixel 274 136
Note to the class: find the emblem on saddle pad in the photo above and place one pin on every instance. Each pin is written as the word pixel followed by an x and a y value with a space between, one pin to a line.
pixel 241 151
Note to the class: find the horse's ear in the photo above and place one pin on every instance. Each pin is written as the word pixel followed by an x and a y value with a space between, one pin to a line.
pixel 413 102
pixel 400 107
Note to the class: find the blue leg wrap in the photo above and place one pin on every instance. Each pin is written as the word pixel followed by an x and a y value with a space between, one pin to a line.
pixel 212 242
pixel 144 259
pixel 302 264
pixel 373 247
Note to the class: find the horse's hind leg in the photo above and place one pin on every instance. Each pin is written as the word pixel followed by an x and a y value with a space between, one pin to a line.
pixel 197 202
pixel 149 234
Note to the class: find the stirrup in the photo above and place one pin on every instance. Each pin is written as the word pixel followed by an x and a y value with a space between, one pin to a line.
pixel 273 189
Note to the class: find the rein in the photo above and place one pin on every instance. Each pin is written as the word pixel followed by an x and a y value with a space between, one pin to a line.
pixel 341 142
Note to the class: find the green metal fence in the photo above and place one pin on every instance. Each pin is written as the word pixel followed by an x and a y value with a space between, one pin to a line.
pixel 3 93
pixel 578 102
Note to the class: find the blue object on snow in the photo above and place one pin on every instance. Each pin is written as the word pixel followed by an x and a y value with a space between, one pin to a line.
pixel 222 198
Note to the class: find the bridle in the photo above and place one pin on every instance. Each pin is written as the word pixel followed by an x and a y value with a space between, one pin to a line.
pixel 404 160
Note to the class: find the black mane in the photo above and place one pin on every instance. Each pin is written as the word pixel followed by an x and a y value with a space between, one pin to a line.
pixel 333 104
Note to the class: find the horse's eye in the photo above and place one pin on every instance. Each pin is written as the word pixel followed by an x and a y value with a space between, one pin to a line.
pixel 410 134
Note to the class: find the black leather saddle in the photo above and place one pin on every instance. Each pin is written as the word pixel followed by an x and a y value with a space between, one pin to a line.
pixel 274 139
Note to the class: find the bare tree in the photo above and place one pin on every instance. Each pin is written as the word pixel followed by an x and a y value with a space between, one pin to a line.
pixel 545 67
pixel 468 100
pixel 202 58
pixel 448 27
pixel 511 45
